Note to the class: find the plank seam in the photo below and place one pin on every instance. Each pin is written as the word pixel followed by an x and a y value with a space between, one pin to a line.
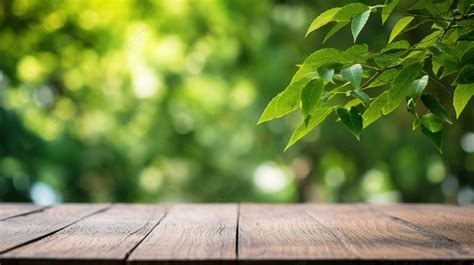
pixel 26 213
pixel 55 231
pixel 237 233
pixel 444 241
pixel 127 255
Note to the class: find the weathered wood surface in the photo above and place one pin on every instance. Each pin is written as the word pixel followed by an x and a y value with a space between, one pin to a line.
pixel 191 232
pixel 300 234
pixel 24 229
pixel 9 210
pixel 106 237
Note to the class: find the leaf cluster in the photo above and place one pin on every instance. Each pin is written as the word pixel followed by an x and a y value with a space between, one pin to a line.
pixel 343 81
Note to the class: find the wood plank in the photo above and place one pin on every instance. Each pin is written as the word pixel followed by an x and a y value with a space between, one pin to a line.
pixel 374 236
pixel 454 223
pixel 23 229
pixel 337 232
pixel 104 238
pixel 9 210
pixel 198 233
pixel 286 232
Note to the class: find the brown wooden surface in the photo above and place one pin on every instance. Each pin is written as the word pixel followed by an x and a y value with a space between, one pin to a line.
pixel 300 234
pixel 26 228
pixel 449 224
pixel 275 232
pixel 9 210
pixel 191 232
pixel 106 237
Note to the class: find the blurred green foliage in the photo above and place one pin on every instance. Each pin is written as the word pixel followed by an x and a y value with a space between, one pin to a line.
pixel 157 101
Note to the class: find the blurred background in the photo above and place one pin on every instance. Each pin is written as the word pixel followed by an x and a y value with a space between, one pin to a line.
pixel 157 101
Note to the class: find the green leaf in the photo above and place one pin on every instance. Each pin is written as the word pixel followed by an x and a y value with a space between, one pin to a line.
pixel 331 56
pixel 339 25
pixel 349 11
pixel 432 122
pixel 322 19
pixel 326 73
pixel 462 95
pixel 387 10
pixel 398 45
pixel 358 23
pixel 466 75
pixel 401 24
pixel 444 51
pixel 384 78
pixel 464 6
pixel 352 119
pixel 353 74
pixel 466 36
pixel 318 116
pixel 468 56
pixel 433 104
pixel 400 86
pixel 311 95
pixel 417 87
pixel 285 102
pixel 429 40
pixel 352 103
pixel 374 111
pixel 435 137
pixel 362 96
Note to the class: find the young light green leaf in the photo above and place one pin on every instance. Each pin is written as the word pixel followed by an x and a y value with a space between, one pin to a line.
pixel 330 56
pixel 417 87
pixel 374 111
pixel 362 96
pixel 311 95
pixel 352 103
pixel 358 23
pixel 318 116
pixel 398 45
pixel 349 11
pixel 322 19
pixel 285 102
pixel 326 73
pixel 435 137
pixel 387 10
pixel 339 25
pixel 353 74
pixel 352 119
pixel 384 78
pixel 401 24
pixel 270 111
pixel 433 104
pixel 462 95
pixel 432 122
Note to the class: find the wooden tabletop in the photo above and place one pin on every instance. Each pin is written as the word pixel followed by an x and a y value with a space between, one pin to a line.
pixel 297 234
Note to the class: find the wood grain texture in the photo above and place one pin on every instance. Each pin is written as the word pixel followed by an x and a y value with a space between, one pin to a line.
pixel 191 234
pixel 337 232
pixel 23 229
pixel 371 235
pixel 9 210
pixel 450 223
pixel 104 238
pixel 286 232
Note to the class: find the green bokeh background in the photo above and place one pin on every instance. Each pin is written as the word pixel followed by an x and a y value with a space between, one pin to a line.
pixel 157 100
